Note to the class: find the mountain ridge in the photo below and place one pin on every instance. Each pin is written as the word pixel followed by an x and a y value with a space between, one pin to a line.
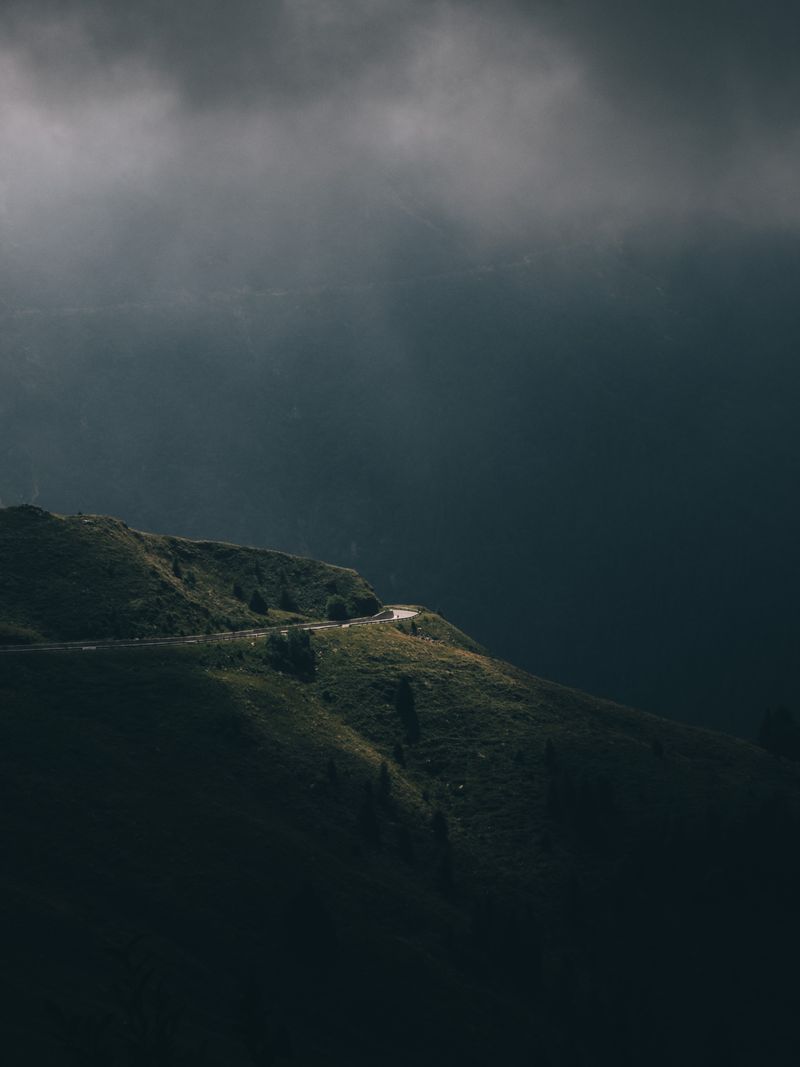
pixel 145 584
pixel 379 846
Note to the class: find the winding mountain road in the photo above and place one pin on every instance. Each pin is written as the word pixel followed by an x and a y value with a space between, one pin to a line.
pixel 387 615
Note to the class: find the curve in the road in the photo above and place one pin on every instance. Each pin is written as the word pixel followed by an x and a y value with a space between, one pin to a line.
pixel 387 615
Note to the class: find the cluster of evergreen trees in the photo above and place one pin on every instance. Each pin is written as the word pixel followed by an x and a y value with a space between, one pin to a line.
pixel 292 653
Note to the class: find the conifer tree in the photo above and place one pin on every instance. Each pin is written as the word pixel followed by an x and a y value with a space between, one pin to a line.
pixel 258 604
pixel 286 601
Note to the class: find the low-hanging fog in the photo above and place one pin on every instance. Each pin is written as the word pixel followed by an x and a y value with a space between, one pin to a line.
pixel 495 303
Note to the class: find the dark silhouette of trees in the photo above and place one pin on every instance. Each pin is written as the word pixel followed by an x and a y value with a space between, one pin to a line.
pixel 258 604
pixel 336 608
pixel 238 592
pixel 367 605
pixel 286 600
pixel 406 709
pixel 292 654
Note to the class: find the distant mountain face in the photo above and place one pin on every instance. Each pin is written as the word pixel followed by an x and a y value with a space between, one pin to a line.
pixel 582 453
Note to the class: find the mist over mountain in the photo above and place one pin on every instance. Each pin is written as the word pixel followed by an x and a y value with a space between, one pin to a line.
pixel 497 307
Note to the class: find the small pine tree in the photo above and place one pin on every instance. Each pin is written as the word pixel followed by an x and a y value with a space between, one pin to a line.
pixel 292 654
pixel 336 608
pixel 367 605
pixel 414 628
pixel 301 654
pixel 286 601
pixel 399 754
pixel 258 604
pixel 238 592
pixel 406 708
pixel 177 570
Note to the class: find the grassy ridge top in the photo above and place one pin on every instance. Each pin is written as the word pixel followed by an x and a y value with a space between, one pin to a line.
pixel 87 576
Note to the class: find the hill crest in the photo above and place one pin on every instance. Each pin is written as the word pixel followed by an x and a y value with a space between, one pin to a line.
pixel 70 577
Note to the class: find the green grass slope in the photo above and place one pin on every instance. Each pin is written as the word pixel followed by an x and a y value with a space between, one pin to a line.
pixel 209 859
pixel 88 576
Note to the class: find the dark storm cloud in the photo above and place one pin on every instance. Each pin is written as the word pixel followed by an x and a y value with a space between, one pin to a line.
pixel 694 60
pixel 174 136
pixel 700 60
pixel 215 53
pixel 684 51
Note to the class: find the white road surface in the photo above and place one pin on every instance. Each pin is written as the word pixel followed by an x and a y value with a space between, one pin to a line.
pixel 387 615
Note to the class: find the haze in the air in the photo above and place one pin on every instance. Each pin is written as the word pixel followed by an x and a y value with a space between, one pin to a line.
pixel 496 304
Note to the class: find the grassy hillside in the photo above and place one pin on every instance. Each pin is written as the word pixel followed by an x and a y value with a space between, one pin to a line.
pixel 411 853
pixel 89 576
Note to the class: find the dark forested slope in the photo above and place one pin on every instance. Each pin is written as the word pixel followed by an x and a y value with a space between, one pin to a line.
pixel 397 850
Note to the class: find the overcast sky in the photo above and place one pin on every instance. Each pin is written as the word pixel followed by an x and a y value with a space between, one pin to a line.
pixel 201 132
pixel 562 336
